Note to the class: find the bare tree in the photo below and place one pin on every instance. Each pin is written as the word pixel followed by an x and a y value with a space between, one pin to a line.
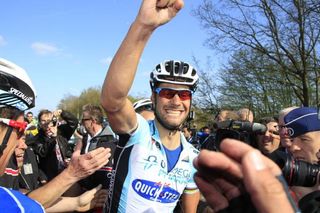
pixel 287 32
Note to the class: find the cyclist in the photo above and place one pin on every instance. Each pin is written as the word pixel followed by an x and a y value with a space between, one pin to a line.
pixel 17 94
pixel 153 163
pixel 144 108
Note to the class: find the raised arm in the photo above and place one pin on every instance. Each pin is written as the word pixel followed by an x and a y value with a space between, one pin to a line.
pixel 122 70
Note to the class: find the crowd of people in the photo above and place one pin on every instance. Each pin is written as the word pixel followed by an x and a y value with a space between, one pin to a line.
pixel 145 159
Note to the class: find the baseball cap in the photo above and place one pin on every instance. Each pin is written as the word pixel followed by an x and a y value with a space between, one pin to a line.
pixel 302 120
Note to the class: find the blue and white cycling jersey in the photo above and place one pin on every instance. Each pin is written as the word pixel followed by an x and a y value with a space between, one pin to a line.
pixel 12 201
pixel 141 181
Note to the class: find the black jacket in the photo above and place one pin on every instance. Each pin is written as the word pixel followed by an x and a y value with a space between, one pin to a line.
pixel 31 176
pixel 105 139
pixel 44 147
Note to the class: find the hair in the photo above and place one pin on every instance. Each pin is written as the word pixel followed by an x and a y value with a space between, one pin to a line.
pixel 94 111
pixel 10 112
pixel 229 114
pixel 186 126
pixel 244 113
pixel 29 113
pixel 43 112
pixel 285 111
pixel 267 120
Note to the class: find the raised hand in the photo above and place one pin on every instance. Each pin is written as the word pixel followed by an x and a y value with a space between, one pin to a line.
pixel 81 166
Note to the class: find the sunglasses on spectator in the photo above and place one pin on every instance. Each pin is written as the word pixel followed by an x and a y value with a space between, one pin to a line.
pixel 169 93
pixel 271 132
pixel 85 119
pixel 18 125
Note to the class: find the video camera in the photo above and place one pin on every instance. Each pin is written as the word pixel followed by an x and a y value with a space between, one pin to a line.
pixel 240 130
pixel 296 172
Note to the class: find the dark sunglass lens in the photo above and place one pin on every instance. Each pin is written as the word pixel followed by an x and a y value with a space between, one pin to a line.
pixel 185 95
pixel 167 93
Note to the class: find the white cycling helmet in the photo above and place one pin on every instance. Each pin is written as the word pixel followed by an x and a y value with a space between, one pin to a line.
pixel 175 72
pixel 16 89
pixel 142 103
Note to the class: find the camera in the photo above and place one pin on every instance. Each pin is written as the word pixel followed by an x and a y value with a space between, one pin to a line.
pixel 296 172
pixel 240 130
pixel 54 120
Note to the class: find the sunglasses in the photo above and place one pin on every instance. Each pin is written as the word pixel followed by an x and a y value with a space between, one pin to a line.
pixel 169 93
pixel 85 119
pixel 271 132
pixel 20 126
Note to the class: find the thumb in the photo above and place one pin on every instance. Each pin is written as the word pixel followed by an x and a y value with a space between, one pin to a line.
pixel 97 188
pixel 263 183
pixel 77 148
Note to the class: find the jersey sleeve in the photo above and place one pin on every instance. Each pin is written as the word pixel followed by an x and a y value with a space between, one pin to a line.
pixel 139 135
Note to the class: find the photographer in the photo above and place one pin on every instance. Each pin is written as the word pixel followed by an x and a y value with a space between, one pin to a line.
pixel 51 143
pixel 268 141
pixel 303 127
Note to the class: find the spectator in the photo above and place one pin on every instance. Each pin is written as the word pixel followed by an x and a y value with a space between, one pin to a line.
pixel 98 136
pixel 224 115
pixel 51 143
pixel 285 139
pixel 156 150
pixel 303 126
pixel 187 132
pixel 245 114
pixel 269 141
pixel 32 124
pixel 30 119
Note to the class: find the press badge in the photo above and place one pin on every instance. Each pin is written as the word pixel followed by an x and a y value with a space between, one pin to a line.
pixel 27 168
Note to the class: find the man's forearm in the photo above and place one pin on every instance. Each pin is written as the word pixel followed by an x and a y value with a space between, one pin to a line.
pixel 51 191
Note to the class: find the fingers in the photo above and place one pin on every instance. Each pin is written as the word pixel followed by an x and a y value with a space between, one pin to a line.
pixel 262 184
pixel 100 197
pixel 175 4
pixel 210 163
pixel 164 3
pixel 96 189
pixel 234 148
pixel 213 196
pixel 95 159
pixel 237 150
pixel 218 178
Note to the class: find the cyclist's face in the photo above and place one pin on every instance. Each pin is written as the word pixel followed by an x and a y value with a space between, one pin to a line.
pixel 11 145
pixel 172 111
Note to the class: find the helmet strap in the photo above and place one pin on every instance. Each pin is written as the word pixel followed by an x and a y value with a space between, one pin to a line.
pixel 5 140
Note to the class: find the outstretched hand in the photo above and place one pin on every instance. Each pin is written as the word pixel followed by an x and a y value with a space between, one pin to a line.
pixel 94 198
pixel 81 166
pixel 239 168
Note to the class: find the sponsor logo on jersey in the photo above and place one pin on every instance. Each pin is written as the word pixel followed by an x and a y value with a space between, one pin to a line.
pixel 154 191
pixel 186 159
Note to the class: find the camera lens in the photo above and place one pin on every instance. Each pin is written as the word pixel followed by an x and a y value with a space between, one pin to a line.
pixel 300 173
